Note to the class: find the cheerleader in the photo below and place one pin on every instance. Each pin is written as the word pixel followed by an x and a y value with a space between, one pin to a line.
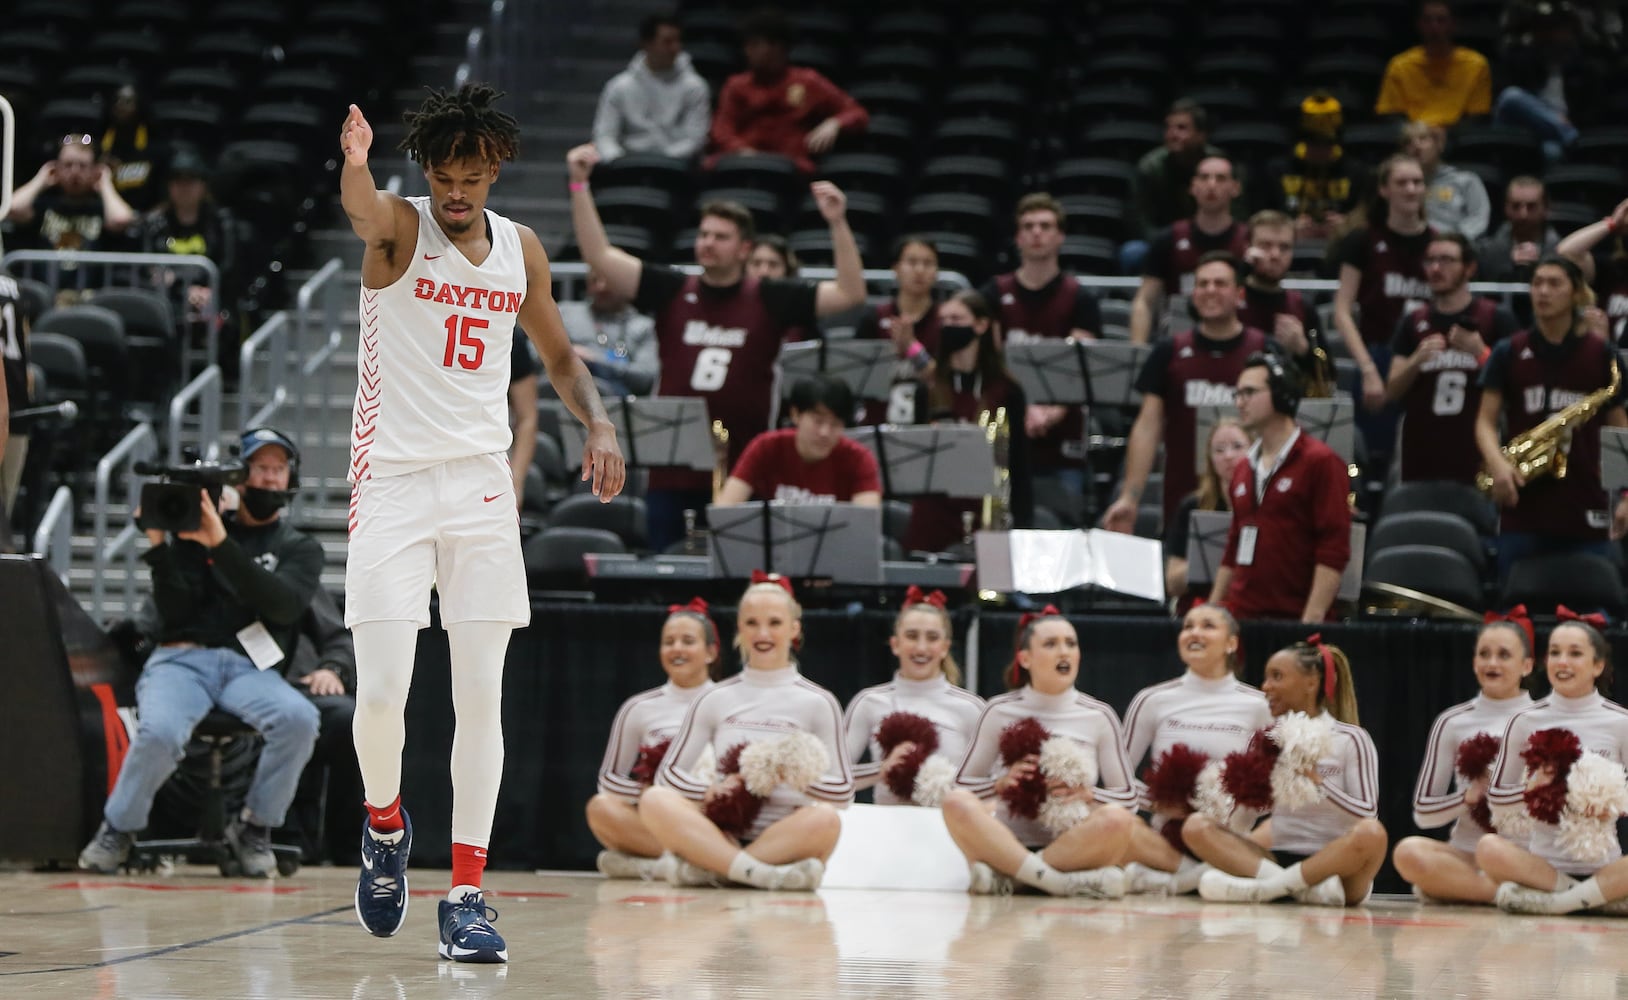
pixel 927 685
pixel 1206 709
pixel 1001 846
pixel 1326 853
pixel 795 829
pixel 1538 877
pixel 643 729
pixel 1444 794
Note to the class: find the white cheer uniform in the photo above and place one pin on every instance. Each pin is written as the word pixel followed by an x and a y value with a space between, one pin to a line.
pixel 1214 717
pixel 954 712
pixel 1601 726
pixel 1350 775
pixel 432 500
pixel 1438 798
pixel 1073 714
pixel 645 719
pixel 760 705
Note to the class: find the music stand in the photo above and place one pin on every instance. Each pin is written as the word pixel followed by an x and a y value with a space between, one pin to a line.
pixel 1331 422
pixel 1089 372
pixel 953 460
pixel 841 542
pixel 666 431
pixel 868 366
pixel 1614 458
pixel 1050 562
pixel 1207 544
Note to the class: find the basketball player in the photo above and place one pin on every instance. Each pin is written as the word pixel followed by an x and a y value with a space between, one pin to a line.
pixel 443 283
pixel 718 332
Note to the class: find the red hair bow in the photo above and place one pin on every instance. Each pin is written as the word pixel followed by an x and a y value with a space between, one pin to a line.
pixel 1519 617
pixel 758 576
pixel 1566 614
pixel 1331 677
pixel 915 596
pixel 697 605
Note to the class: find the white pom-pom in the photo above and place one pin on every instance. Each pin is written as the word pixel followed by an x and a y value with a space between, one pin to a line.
pixel 796 760
pixel 1061 816
pixel 1513 822
pixel 1596 787
pixel 1304 740
pixel 706 766
pixel 1210 796
pixel 1069 761
pixel 934 780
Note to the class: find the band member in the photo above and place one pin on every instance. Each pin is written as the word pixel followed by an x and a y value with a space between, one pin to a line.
pixel 910 320
pixel 1174 253
pixel 811 461
pixel 1447 871
pixel 1605 262
pixel 1529 377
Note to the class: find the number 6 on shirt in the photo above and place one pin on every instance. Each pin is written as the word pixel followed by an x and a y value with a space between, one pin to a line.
pixel 711 369
pixel 459 337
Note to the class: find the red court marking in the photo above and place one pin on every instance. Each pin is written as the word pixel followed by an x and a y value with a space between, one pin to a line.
pixel 429 893
pixel 644 900
pixel 794 902
pixel 276 890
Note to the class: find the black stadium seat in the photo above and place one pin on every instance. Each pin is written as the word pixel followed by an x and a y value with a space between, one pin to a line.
pixel 1428 527
pixel 1582 582
pixel 1456 498
pixel 1429 569
pixel 623 516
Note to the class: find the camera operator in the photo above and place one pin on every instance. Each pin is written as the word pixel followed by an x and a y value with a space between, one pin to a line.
pixel 230 596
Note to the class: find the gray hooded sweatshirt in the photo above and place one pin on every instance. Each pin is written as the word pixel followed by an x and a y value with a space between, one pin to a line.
pixel 641 111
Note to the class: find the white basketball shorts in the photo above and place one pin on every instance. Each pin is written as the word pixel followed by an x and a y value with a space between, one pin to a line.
pixel 452 525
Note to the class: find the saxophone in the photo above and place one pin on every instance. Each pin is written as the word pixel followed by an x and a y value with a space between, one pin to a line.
pixel 998 504
pixel 1542 451
pixel 720 458
pixel 1320 381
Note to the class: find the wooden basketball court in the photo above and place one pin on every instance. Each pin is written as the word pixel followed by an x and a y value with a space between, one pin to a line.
pixel 195 935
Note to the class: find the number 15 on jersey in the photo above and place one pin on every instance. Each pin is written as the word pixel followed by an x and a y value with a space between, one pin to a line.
pixel 463 346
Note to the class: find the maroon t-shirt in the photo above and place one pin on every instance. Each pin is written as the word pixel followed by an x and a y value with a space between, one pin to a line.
pixel 936 521
pixel 878 325
pixel 774 470
pixel 1301 521
pixel 1173 253
pixel 720 344
pixel 1393 281
pixel 1611 289
pixel 1189 370
pixel 1052 310
pixel 1438 436
pixel 1538 378
pixel 1261 308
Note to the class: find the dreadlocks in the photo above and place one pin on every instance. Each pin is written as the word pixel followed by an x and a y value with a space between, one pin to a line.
pixel 454 126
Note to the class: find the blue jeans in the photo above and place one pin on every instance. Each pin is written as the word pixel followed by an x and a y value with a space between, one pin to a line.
pixel 176 690
pixel 1513 546
pixel 1524 109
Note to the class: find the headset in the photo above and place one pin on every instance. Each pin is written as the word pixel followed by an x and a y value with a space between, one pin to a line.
pixel 1282 382
pixel 258 437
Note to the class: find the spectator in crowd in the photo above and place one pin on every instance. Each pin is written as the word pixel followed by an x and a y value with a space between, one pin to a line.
pixel 1436 82
pixel 1227 446
pixel 1266 305
pixel 1604 262
pixel 1554 74
pixel 71 203
pixel 14 373
pixel 1318 184
pixel 775 107
pixel 910 320
pixel 1175 252
pixel 1185 371
pixel 1436 359
pixel 1455 200
pixel 615 340
pixel 1290 536
pixel 230 595
pixel 524 367
pixel 1525 237
pixel 1528 377
pixel 773 257
pixel 129 150
pixel 322 818
pixel 659 104
pixel 1164 178
pixel 812 461
pixel 190 222
pixel 717 333
pixel 5 423
pixel 1040 299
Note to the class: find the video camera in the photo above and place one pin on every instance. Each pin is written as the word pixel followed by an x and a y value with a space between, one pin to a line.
pixel 171 504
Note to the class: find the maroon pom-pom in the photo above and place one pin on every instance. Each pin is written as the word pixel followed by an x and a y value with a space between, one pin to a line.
pixel 729 762
pixel 906 727
pixel 1171 777
pixel 1019 740
pixel 649 761
pixel 735 811
pixel 1171 832
pixel 1475 758
pixel 1558 749
pixel 1545 802
pixel 1247 774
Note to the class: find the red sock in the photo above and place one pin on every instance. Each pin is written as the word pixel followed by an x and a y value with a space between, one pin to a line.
pixel 386 820
pixel 468 862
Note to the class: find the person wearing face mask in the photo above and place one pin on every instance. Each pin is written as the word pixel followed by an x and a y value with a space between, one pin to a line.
pixel 812 461
pixel 230 596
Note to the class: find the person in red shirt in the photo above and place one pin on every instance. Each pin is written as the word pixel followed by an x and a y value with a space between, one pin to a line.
pixel 775 107
pixel 811 461
pixel 1291 523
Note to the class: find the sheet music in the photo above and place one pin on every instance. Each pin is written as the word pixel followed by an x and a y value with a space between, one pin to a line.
pixel 1614 458
pixel 1050 562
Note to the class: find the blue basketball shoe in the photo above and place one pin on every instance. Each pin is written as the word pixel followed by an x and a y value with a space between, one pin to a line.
pixel 467 934
pixel 381 891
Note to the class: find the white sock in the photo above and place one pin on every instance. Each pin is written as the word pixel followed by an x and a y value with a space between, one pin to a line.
pixel 478 649
pixel 1188 872
pixel 1584 895
pixel 1268 869
pixel 384 672
pixel 1563 882
pixel 1292 880
pixel 1037 873
pixel 460 891
pixel 748 870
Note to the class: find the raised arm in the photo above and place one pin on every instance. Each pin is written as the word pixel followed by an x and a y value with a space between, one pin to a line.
pixel 1579 246
pixel 381 219
pixel 620 269
pixel 848 290
pixel 540 317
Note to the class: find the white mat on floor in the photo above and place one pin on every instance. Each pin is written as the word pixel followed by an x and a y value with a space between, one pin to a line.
pixel 895 847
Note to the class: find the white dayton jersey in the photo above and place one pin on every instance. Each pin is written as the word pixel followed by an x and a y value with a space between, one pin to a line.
pixel 433 362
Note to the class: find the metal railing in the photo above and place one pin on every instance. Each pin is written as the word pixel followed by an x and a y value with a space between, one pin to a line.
pixel 8 143
pixel 123 270
pixel 273 338
pixel 320 317
pixel 206 389
pixel 53 539
pixel 139 445
pixel 572 276
pixel 488 51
